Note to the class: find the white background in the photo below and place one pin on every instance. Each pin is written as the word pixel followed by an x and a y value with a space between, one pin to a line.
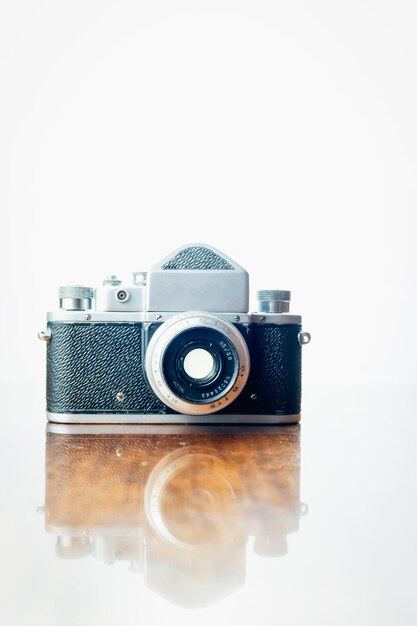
pixel 283 133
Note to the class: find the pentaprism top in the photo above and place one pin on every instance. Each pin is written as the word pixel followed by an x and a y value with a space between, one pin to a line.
pixel 198 277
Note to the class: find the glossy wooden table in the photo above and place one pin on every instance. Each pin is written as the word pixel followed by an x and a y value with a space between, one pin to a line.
pixel 209 525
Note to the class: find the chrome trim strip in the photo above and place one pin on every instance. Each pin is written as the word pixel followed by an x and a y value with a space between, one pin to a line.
pixel 95 419
pixel 86 317
pixel 275 318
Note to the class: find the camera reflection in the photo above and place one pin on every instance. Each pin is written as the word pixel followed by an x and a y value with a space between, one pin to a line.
pixel 178 503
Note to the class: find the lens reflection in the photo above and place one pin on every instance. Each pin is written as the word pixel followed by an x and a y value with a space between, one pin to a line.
pixel 179 505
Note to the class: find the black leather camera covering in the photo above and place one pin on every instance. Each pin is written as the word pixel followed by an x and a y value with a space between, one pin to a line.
pixel 88 364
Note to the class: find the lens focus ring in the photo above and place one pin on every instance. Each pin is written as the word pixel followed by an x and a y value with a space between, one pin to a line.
pixel 164 366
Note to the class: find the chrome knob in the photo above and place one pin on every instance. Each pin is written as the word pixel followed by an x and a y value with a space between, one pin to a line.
pixel 75 297
pixel 273 301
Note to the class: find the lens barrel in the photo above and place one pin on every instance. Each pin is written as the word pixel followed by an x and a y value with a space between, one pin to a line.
pixel 167 352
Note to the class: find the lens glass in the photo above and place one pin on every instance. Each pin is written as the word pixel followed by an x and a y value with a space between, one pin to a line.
pixel 198 364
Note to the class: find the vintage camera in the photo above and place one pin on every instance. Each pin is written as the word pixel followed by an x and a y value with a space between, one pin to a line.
pixel 177 345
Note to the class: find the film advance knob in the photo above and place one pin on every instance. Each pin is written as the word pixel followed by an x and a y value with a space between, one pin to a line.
pixel 75 297
pixel 273 301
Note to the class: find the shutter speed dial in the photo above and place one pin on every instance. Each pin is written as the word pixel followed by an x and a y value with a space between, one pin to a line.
pixel 75 297
pixel 273 301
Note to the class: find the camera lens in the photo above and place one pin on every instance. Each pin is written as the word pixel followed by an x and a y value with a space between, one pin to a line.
pixel 200 364
pixel 197 363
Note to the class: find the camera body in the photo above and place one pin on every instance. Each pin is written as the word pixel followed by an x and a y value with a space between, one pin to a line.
pixel 178 345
